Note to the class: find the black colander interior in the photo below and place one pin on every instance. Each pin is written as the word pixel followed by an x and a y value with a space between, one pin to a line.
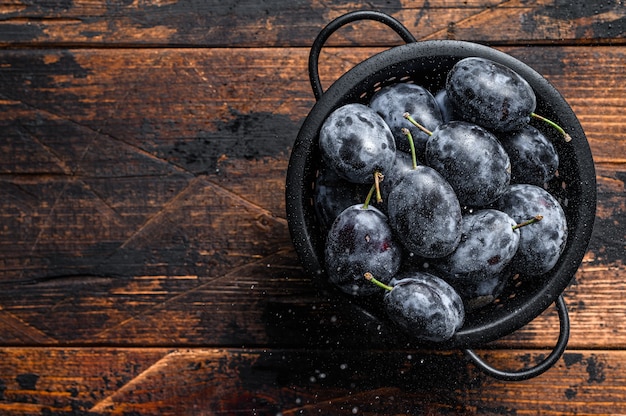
pixel 427 63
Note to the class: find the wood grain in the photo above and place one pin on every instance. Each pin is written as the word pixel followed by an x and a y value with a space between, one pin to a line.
pixel 146 265
pixel 210 23
pixel 289 382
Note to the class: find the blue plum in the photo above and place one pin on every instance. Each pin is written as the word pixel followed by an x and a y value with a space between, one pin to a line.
pixel 356 142
pixel 471 159
pixel 360 241
pixel 425 213
pixel 489 240
pixel 424 306
pixel 392 101
pixel 534 159
pixel 490 94
pixel 542 243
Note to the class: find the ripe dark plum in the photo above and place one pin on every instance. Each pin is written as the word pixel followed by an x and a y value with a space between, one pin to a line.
pixel 356 142
pixel 333 194
pixel 542 243
pixel 488 243
pixel 534 159
pixel 392 101
pixel 425 306
pixel 360 241
pixel 490 94
pixel 425 213
pixel 471 159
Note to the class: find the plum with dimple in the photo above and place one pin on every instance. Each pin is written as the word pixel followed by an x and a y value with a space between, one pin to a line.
pixel 490 94
pixel 360 241
pixel 471 159
pixel 424 306
pixel 425 213
pixel 542 243
pixel 392 101
pixel 534 159
pixel 356 142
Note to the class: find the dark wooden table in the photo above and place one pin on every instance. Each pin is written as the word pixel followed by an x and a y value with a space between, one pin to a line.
pixel 145 261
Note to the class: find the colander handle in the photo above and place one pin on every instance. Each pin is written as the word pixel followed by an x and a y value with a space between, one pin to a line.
pixel 540 368
pixel 340 21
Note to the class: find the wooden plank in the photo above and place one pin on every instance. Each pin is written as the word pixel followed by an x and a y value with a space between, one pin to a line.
pixel 116 381
pixel 66 381
pixel 520 22
pixel 211 23
pixel 578 384
pixel 156 99
pixel 267 302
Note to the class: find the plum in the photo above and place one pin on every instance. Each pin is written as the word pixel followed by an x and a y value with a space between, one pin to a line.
pixel 392 101
pixel 361 241
pixel 471 159
pixel 425 213
pixel 490 94
pixel 424 306
pixel 356 142
pixel 542 243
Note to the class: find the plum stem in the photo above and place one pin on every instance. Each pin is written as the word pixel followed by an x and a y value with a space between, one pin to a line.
pixel 567 137
pixel 368 198
pixel 375 188
pixel 368 276
pixel 378 176
pixel 416 124
pixel 409 136
pixel 533 220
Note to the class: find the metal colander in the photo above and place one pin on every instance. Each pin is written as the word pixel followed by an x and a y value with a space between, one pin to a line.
pixel 426 63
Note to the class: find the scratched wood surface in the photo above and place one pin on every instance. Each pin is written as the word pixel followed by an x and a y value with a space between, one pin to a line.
pixel 145 261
